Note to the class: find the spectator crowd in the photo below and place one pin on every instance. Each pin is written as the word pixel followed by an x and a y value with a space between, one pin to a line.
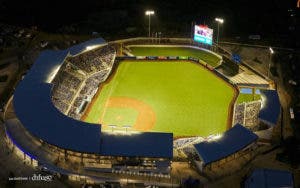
pixel 79 78
pixel 247 114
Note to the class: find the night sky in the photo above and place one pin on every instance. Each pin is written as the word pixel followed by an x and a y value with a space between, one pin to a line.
pixel 241 17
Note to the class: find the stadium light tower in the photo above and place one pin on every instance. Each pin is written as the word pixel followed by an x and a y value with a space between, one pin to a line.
pixel 149 13
pixel 270 60
pixel 219 21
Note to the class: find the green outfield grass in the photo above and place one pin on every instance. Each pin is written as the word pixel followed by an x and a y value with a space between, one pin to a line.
pixel 187 99
pixel 209 58
pixel 247 98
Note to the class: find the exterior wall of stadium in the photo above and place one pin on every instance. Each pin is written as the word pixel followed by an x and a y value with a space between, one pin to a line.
pixel 83 165
pixel 102 163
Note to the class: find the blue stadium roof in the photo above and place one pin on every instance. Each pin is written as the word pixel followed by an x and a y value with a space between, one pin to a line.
pixel 40 117
pixel 34 108
pixel 271 107
pixel 140 144
pixel 267 178
pixel 74 50
pixel 233 140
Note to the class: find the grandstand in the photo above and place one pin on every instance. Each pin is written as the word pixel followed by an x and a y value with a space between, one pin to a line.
pixel 247 114
pixel 255 107
pixel 247 107
pixel 79 78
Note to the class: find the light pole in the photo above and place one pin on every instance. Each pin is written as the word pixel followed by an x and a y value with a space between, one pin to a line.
pixel 112 127
pixel 126 127
pixel 270 60
pixel 219 21
pixel 149 13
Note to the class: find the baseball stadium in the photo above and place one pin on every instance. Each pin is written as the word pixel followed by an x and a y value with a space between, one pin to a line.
pixel 133 106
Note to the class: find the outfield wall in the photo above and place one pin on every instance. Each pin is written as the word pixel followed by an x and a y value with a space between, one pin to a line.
pixel 160 41
pixel 178 46
pixel 174 46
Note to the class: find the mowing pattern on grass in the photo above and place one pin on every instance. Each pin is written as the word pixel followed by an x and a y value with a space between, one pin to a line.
pixel 209 58
pixel 186 98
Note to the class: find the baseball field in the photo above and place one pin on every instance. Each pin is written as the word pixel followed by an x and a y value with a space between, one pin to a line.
pixel 206 56
pixel 162 96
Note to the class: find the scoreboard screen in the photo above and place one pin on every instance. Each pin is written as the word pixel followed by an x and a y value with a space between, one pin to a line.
pixel 203 34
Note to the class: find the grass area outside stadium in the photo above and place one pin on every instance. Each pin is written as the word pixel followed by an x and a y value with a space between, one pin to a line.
pixel 247 98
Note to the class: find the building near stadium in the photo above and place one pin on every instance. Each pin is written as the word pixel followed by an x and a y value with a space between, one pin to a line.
pixel 269 178
pixel 52 98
